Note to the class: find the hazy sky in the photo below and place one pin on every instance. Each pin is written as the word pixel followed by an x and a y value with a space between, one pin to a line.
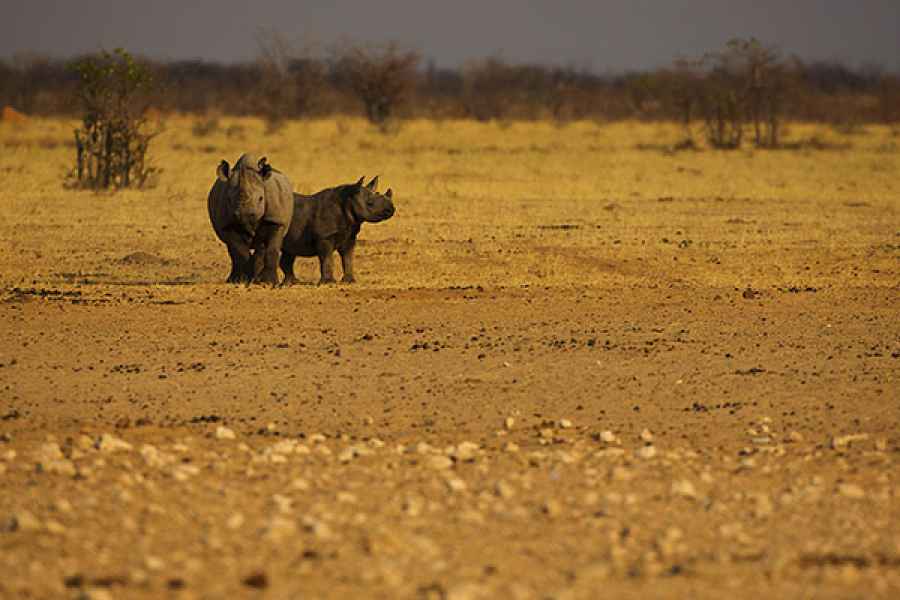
pixel 603 35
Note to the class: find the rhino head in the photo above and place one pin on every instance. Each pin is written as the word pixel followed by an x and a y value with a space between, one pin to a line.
pixel 245 192
pixel 367 204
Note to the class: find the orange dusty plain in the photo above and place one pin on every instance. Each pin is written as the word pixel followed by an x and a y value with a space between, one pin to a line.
pixel 576 364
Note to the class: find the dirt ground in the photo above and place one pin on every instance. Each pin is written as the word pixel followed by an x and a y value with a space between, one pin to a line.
pixel 683 394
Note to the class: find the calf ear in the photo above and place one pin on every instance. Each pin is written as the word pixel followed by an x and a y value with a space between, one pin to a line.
pixel 223 170
pixel 389 193
pixel 373 185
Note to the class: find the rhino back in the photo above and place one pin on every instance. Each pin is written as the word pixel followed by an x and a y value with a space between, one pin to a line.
pixel 279 199
pixel 301 239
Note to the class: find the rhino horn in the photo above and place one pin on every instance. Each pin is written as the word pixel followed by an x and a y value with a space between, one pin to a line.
pixel 389 193
pixel 373 185
pixel 222 171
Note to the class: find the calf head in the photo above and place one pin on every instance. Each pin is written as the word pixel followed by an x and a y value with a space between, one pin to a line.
pixel 367 204
pixel 245 191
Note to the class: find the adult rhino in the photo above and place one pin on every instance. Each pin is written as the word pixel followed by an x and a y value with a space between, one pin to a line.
pixel 250 207
pixel 330 220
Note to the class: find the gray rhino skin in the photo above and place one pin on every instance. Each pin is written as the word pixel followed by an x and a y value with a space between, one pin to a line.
pixel 330 220
pixel 250 207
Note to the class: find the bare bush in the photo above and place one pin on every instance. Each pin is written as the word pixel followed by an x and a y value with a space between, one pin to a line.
pixel 383 77
pixel 291 79
pixel 115 134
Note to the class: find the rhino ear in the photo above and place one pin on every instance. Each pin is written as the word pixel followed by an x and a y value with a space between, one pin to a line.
pixel 389 193
pixel 373 185
pixel 265 169
pixel 223 171
pixel 360 182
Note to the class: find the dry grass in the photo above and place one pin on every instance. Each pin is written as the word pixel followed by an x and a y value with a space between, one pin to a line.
pixel 484 204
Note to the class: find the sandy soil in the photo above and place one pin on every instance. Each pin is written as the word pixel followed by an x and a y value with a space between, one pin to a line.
pixel 634 428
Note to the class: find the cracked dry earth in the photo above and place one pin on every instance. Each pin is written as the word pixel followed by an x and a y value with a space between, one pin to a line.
pixel 470 443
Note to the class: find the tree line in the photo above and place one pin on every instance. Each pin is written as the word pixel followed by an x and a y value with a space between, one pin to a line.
pixel 740 93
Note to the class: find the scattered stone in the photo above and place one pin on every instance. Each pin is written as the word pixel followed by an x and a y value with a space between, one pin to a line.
pixel 456 485
pixel 510 447
pixel 300 484
pixel 684 488
pixel 504 490
pixel 851 490
pixel 346 498
pixel 551 507
pixel 647 452
pixel 412 506
pixel 224 433
pixel 608 437
pixel 762 440
pixel 646 436
pixel 465 451
pixel 156 458
pixel 565 424
pixel 61 466
pixel 281 529
pixel 258 580
pixel 846 440
pixel 795 437
pixel 55 527
pixel 283 503
pixel 439 462
pixel 881 444
pixel 347 454
pixel 184 472
pixel 154 563
pixel 509 423
pixel 25 521
pixel 110 443
pixel 235 521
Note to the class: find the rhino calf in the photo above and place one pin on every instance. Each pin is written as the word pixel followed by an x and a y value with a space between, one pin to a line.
pixel 250 208
pixel 330 220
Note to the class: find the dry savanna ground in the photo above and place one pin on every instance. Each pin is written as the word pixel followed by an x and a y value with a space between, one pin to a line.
pixel 576 364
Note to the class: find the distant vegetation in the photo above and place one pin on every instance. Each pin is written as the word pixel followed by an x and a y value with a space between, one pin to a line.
pixel 740 93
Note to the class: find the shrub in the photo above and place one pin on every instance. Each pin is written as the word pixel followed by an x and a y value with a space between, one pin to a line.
pixel 112 142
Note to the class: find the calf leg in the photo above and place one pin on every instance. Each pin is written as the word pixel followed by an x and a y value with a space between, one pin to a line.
pixel 347 264
pixel 287 265
pixel 326 262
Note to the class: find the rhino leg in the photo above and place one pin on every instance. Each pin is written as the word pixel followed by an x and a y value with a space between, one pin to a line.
pixel 326 262
pixel 347 264
pixel 239 251
pixel 287 265
pixel 266 247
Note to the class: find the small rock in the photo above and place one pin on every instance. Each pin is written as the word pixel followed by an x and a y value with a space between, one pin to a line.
pixel 300 484
pixel 608 437
pixel 647 452
pixel 346 455
pixel 846 440
pixel 55 527
pixel 646 436
pixel 509 423
pixel 63 467
pixel 456 485
pixel 565 424
pixel 881 444
pixel 504 490
pixel 510 447
pixel 346 498
pixel 258 580
pixel 184 472
pixel 465 451
pixel 762 440
pixel 439 462
pixel 795 437
pixel 110 443
pixel 154 563
pixel 235 521
pixel 224 433
pixel 551 508
pixel 25 521
pixel 283 503
pixel 851 490
pixel 684 488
